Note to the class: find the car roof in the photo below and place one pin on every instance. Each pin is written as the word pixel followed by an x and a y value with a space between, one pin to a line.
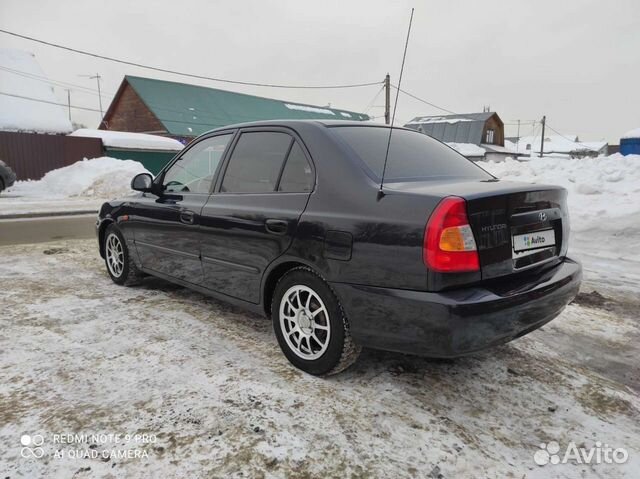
pixel 293 123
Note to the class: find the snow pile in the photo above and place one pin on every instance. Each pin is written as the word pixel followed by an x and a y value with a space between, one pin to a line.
pixel 96 178
pixel 21 76
pixel 600 189
pixel 123 139
pixel 468 149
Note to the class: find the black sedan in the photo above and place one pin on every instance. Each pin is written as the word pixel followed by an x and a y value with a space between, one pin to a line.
pixel 287 218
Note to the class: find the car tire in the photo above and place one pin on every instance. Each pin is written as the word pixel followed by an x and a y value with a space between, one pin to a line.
pixel 310 324
pixel 120 265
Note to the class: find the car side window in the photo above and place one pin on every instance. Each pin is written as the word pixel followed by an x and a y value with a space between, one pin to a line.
pixel 297 176
pixel 256 162
pixel 193 172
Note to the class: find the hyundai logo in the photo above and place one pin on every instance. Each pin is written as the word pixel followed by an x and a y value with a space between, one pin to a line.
pixel 542 216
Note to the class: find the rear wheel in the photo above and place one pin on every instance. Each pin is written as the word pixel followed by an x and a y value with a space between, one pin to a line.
pixel 310 325
pixel 120 265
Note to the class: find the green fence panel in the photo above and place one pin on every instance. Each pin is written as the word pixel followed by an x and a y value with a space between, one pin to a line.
pixel 153 161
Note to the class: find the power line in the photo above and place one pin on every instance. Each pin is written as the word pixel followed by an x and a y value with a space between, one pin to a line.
pixel 58 83
pixel 569 139
pixel 93 91
pixel 461 115
pixel 190 75
pixel 370 104
pixel 47 101
pixel 424 101
pixel 65 105
pixel 415 97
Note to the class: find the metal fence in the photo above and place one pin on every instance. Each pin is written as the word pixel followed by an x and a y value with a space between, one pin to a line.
pixel 31 155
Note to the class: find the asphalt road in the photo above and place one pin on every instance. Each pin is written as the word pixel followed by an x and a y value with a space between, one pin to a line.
pixel 46 228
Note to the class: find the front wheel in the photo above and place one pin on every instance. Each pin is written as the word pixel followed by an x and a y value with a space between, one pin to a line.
pixel 120 265
pixel 310 325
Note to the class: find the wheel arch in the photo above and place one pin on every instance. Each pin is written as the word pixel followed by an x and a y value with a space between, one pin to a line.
pixel 101 232
pixel 274 273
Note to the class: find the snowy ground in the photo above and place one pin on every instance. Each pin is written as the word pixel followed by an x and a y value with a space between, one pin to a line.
pixel 210 384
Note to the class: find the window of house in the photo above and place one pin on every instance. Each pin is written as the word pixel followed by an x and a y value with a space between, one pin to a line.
pixel 256 162
pixel 489 138
pixel 193 172
pixel 297 176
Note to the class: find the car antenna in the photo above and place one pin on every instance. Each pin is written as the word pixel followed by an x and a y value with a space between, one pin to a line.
pixel 395 105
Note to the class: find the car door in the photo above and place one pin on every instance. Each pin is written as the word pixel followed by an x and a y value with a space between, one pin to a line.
pixel 252 217
pixel 167 227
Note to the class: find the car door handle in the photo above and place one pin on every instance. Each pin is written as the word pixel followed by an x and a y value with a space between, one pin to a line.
pixel 187 217
pixel 277 227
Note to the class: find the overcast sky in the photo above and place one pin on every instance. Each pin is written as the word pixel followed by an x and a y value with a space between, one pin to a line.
pixel 577 62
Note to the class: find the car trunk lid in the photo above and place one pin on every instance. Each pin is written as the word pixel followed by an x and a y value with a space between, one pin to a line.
pixel 517 226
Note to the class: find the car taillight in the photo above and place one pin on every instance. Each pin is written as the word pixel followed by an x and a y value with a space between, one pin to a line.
pixel 449 246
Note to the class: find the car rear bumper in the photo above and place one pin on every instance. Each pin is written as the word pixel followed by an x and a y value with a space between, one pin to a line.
pixel 457 322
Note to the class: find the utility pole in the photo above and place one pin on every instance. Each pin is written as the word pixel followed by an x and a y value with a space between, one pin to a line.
pixel 544 119
pixel 518 137
pixel 387 99
pixel 69 102
pixel 97 77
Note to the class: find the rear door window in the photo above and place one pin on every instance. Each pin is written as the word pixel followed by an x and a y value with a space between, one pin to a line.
pixel 297 176
pixel 256 162
pixel 412 155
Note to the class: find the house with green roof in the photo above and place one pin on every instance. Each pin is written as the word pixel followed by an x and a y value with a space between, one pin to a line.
pixel 183 111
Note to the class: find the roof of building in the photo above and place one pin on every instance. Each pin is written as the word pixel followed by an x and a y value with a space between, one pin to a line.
pixel 132 141
pixel 28 102
pixel 463 128
pixel 631 134
pixel 469 150
pixel 189 110
pixel 563 144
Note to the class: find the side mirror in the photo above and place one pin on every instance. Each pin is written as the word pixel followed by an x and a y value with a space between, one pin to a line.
pixel 142 182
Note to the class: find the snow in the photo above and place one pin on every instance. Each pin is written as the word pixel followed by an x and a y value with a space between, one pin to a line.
pixel 19 114
pixel 310 109
pixel 604 208
pixel 96 178
pixel 468 149
pixel 81 355
pixel 632 134
pixel 562 144
pixel 437 119
pixel 123 139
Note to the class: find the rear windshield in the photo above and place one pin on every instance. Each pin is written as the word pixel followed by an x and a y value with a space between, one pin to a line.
pixel 412 155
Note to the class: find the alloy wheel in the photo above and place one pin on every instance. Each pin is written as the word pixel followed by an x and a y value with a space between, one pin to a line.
pixel 304 321
pixel 115 255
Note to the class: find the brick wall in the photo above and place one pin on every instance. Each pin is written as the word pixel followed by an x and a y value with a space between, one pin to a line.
pixel 131 114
